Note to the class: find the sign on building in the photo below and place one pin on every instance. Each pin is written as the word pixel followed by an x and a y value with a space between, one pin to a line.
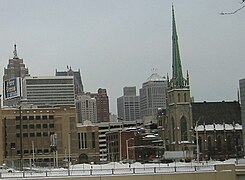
pixel 11 88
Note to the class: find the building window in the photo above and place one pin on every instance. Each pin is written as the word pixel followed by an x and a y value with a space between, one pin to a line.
pixel 26 151
pixel 25 134
pixel 183 128
pixel 38 134
pixel 178 97
pixel 45 117
pixel 32 134
pixel 45 133
pixel 31 117
pixel 93 140
pixel 51 125
pixel 24 117
pixel 185 99
pixel 17 118
pixel 38 126
pixel 45 126
pixel 38 117
pixel 46 151
pixel 25 126
pixel 31 126
pixel 39 151
pixel 82 140
pixel 12 146
pixel 17 126
pixel 51 117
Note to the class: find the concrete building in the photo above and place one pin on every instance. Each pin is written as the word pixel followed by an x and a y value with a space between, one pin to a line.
pixel 86 109
pixel 102 104
pixel 49 90
pixel 242 96
pixel 128 105
pixel 153 95
pixel 15 68
pixel 78 85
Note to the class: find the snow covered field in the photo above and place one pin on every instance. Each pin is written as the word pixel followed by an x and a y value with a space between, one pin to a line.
pixel 115 168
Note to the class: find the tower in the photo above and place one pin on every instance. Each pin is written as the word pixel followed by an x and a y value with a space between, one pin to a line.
pixel 12 79
pixel 179 115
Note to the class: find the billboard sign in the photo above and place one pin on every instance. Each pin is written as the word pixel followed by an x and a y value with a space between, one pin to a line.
pixel 12 88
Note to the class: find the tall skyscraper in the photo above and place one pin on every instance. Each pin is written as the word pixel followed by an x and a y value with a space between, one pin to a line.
pixel 153 95
pixel 102 104
pixel 128 105
pixel 86 108
pixel 179 113
pixel 49 90
pixel 12 78
pixel 78 85
pixel 242 96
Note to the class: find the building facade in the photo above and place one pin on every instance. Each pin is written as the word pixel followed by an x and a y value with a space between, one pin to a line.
pixel 49 90
pixel 86 109
pixel 102 104
pixel 242 98
pixel 153 95
pixel 15 68
pixel 128 105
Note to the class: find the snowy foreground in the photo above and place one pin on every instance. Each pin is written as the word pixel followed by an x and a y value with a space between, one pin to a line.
pixel 115 168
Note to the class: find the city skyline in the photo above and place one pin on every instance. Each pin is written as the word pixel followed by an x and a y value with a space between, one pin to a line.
pixel 116 44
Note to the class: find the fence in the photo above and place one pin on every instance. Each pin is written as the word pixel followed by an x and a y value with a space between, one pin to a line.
pixel 98 172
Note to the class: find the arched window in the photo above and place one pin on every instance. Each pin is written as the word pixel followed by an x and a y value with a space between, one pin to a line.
pixel 209 143
pixel 183 129
pixel 178 97
pixel 229 143
pixel 185 99
pixel 173 129
pixel 219 147
pixel 200 143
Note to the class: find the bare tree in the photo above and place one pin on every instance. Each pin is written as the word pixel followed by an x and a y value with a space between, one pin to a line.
pixel 234 12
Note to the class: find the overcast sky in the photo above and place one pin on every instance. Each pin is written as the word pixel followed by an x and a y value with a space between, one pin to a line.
pixel 117 43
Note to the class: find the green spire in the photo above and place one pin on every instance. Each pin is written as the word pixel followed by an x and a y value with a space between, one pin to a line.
pixel 178 80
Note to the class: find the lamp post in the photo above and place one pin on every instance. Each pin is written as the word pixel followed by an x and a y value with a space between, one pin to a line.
pixel 197 139
pixel 127 146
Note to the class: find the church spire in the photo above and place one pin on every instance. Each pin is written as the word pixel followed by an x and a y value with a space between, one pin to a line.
pixel 177 75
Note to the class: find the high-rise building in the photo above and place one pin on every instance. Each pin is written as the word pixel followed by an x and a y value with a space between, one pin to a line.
pixel 128 105
pixel 13 74
pixel 49 90
pixel 78 85
pixel 242 96
pixel 102 104
pixel 153 95
pixel 86 109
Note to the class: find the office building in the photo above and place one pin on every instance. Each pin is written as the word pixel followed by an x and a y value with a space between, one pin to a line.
pixel 128 105
pixel 242 97
pixel 153 95
pixel 86 109
pixel 102 105
pixel 49 90
pixel 78 85
pixel 13 74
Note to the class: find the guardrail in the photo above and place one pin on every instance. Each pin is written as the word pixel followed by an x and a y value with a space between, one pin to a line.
pixel 98 172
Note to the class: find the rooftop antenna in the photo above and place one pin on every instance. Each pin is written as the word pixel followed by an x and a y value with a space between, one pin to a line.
pixel 15 52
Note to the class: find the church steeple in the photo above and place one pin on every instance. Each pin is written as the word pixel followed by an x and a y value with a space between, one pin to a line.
pixel 178 80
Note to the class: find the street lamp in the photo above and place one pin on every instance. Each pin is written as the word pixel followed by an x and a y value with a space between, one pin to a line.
pixel 127 146
pixel 197 139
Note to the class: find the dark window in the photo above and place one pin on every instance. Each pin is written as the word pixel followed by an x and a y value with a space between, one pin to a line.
pixel 51 133
pixel 18 126
pixel 17 117
pixel 38 117
pixel 24 117
pixel 26 151
pixel 18 152
pixel 51 117
pixel 31 117
pixel 31 126
pixel 45 126
pixel 93 139
pixel 32 151
pixel 12 145
pixel 45 133
pixel 51 125
pixel 25 134
pixel 46 151
pixel 38 126
pixel 17 134
pixel 39 151
pixel 39 134
pixel 32 134
pixel 25 126
pixel 45 117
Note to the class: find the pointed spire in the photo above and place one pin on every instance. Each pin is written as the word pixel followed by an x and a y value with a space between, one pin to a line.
pixel 15 52
pixel 177 68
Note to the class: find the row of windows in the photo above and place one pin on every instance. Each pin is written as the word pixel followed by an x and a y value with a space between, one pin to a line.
pixel 44 117
pixel 37 134
pixel 38 126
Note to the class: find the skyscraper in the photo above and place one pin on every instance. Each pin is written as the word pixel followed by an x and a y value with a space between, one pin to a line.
pixel 153 95
pixel 128 106
pixel 49 90
pixel 102 104
pixel 242 95
pixel 13 74
pixel 78 85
